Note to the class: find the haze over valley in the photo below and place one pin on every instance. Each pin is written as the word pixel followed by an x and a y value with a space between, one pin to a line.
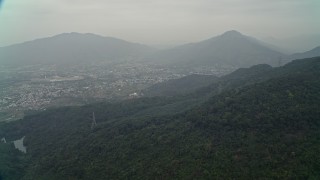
pixel 154 89
pixel 76 69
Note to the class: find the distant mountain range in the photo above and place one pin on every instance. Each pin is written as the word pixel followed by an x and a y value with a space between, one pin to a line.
pixel 229 49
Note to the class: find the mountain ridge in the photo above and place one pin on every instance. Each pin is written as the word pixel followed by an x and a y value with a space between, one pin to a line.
pixel 308 54
pixel 70 48
pixel 68 35
pixel 231 48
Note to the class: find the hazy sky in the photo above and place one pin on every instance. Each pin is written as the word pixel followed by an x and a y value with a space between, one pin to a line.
pixel 157 21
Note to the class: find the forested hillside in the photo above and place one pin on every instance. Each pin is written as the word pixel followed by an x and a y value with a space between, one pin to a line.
pixel 12 162
pixel 256 123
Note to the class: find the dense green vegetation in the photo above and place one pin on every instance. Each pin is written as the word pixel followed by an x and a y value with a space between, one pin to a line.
pixel 256 123
pixel 12 162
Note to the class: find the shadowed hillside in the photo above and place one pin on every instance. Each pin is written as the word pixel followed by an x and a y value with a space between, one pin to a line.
pixel 268 128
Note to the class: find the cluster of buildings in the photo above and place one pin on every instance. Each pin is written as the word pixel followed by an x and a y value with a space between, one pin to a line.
pixel 40 88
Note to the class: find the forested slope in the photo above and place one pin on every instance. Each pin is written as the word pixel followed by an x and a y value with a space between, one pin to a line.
pixel 268 128
pixel 12 162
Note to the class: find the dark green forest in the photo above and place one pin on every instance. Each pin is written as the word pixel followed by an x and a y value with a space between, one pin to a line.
pixel 12 162
pixel 255 123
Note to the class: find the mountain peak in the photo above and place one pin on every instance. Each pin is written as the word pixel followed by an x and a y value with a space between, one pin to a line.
pixel 75 34
pixel 232 33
